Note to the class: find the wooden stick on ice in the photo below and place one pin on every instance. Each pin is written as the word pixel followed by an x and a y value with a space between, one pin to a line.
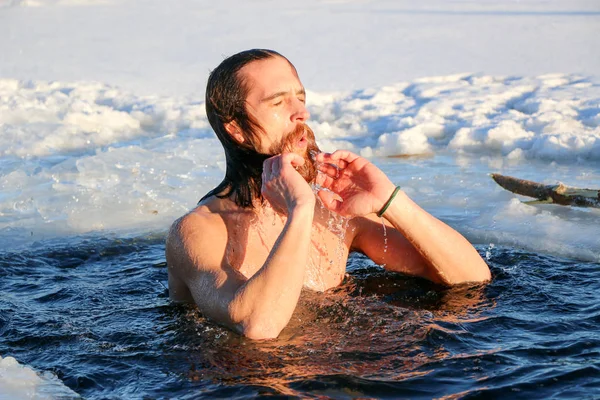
pixel 557 194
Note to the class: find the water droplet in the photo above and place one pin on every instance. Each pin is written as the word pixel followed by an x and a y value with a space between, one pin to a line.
pixel 385 239
pixel 488 252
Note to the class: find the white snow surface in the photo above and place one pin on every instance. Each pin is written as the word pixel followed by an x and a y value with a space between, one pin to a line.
pixel 19 382
pixel 102 124
pixel 168 47
pixel 87 157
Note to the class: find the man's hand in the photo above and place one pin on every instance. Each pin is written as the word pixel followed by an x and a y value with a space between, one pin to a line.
pixel 420 244
pixel 356 186
pixel 283 187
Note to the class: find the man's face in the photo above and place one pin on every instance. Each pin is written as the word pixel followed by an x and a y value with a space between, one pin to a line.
pixel 276 99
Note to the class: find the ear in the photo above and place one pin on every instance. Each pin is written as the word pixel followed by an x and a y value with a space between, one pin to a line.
pixel 234 130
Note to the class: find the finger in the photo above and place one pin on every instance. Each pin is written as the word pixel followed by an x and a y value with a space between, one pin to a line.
pixel 345 155
pixel 341 157
pixel 294 159
pixel 321 157
pixel 330 170
pixel 327 182
pixel 330 159
pixel 330 200
pixel 324 181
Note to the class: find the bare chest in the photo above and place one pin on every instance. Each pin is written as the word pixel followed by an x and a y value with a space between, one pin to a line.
pixel 251 243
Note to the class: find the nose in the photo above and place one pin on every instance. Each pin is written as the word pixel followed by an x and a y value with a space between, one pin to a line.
pixel 300 112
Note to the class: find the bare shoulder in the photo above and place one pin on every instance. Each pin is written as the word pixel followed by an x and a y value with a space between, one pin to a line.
pixel 192 224
pixel 195 244
pixel 196 231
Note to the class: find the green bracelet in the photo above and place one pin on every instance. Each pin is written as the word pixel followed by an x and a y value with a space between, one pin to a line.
pixel 386 205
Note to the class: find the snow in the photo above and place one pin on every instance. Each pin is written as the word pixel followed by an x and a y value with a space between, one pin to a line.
pixel 167 47
pixel 83 157
pixel 19 382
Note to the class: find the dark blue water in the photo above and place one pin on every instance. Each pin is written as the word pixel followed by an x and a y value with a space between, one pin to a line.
pixel 95 313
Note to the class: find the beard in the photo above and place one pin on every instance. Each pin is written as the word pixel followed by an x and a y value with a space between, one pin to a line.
pixel 243 176
pixel 289 144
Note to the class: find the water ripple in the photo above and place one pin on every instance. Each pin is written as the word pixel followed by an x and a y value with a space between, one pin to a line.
pixel 97 315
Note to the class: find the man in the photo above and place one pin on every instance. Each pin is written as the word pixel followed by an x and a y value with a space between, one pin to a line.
pixel 246 251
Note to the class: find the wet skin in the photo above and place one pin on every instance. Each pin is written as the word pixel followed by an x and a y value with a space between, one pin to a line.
pixel 246 268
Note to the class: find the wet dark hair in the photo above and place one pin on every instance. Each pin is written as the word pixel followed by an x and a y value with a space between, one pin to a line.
pixel 226 93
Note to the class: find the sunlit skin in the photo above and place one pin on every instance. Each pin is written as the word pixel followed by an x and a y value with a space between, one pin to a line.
pixel 246 268
pixel 278 103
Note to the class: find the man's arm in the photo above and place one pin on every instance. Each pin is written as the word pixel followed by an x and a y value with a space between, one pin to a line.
pixel 388 248
pixel 419 245
pixel 261 306
pixel 444 256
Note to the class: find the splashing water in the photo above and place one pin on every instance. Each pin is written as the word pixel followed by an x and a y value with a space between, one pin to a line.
pixel 336 224
pixel 339 226
pixel 488 251
pixel 314 272
pixel 385 239
pixel 324 256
